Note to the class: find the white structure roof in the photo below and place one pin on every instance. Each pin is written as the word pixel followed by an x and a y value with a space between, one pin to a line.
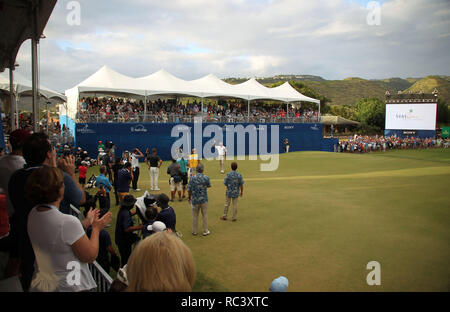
pixel 23 87
pixel 108 81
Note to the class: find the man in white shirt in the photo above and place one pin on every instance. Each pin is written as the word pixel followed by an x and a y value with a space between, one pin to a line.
pixel 222 152
pixel 135 165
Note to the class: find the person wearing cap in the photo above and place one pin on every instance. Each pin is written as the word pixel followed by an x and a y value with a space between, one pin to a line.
pixel 124 233
pixel 156 227
pixel 124 177
pixel 280 284
pixel 167 213
pixel 101 146
pixel 174 170
pixel 154 162
pixel 193 163
pixel 197 190
pixel 135 165
pixel 222 152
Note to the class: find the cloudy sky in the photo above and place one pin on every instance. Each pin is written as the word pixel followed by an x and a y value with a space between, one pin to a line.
pixel 334 39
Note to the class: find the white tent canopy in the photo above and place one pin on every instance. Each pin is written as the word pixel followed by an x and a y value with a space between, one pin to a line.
pixel 23 87
pixel 106 80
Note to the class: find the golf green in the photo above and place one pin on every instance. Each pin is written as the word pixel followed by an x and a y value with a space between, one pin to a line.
pixel 320 218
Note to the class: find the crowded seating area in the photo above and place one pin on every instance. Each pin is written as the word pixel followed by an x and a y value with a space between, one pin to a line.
pixel 365 144
pixel 161 111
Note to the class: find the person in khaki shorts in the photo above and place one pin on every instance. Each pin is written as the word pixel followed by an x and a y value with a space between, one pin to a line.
pixel 235 187
pixel 198 198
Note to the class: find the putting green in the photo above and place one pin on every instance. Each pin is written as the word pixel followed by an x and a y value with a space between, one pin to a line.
pixel 320 218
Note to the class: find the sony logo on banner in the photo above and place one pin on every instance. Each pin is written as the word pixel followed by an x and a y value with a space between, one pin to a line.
pixel 138 128
pixel 288 127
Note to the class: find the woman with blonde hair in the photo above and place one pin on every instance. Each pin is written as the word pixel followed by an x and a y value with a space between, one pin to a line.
pixel 161 263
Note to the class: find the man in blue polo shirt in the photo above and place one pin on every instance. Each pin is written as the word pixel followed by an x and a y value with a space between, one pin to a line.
pixel 102 182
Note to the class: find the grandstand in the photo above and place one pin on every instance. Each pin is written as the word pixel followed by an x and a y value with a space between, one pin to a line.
pixel 143 111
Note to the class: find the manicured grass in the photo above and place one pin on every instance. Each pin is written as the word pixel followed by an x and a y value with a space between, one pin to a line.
pixel 320 218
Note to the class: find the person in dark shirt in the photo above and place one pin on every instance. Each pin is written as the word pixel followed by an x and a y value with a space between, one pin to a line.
pixel 104 247
pixel 115 169
pixel 174 170
pixel 124 177
pixel 167 213
pixel 154 163
pixel 124 236
pixel 150 214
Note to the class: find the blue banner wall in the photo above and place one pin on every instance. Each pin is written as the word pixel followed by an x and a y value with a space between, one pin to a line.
pixel 126 136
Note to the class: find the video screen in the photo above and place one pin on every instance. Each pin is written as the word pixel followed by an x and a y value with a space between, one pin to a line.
pixel 411 116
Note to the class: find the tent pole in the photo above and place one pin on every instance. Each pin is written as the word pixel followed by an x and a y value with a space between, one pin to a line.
pixel 145 106
pixel 287 111
pixel 34 68
pixel 13 103
pixel 248 111
pixel 319 113
pixel 17 109
pixel 202 109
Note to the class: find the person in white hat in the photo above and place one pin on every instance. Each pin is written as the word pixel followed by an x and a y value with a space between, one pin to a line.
pixel 157 226
pixel 280 284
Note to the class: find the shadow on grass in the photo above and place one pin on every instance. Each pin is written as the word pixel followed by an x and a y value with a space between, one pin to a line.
pixel 206 284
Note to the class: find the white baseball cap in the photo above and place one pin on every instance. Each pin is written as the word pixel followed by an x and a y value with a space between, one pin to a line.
pixel 157 226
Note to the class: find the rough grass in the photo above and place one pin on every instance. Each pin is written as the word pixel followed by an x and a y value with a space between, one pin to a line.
pixel 320 218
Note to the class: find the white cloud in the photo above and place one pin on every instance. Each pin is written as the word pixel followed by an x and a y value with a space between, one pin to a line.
pixel 247 38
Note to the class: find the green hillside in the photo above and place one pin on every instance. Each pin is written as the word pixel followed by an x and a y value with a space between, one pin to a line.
pixel 428 84
pixel 349 90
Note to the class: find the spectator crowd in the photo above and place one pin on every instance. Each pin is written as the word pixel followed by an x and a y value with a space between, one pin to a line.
pixel 365 144
pixel 44 241
pixel 119 109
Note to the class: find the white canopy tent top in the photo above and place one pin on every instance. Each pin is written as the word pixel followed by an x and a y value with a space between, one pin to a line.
pixel 106 80
pixel 23 87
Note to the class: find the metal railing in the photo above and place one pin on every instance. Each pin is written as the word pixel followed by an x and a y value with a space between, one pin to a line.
pixel 177 118
pixel 101 278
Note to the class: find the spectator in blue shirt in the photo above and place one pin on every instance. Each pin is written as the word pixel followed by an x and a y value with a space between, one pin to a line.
pixel 104 186
pixel 197 191
pixel 235 187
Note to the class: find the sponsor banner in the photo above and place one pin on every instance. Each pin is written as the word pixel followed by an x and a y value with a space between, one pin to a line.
pixel 409 132
pixel 126 136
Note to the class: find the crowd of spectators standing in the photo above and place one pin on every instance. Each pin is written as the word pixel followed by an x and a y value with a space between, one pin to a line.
pixel 364 144
pixel 118 109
